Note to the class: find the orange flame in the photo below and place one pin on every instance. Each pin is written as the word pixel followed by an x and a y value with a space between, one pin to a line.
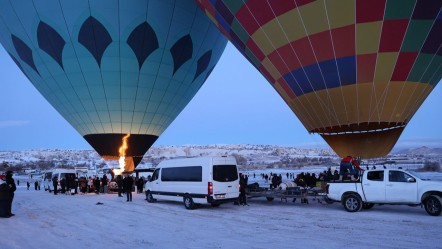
pixel 122 151
pixel 124 146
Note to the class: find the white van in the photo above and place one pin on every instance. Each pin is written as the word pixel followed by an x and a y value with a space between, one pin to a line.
pixel 60 174
pixel 197 180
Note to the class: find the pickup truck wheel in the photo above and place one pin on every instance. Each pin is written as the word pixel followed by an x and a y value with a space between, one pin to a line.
pixel 367 205
pixel 352 203
pixel 188 202
pixel 433 205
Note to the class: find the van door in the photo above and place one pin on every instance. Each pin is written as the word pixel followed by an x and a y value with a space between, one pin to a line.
pixel 47 181
pixel 225 181
pixel 154 181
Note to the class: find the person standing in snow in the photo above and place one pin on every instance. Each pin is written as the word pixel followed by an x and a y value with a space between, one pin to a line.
pixel 128 182
pixel 243 179
pixel 120 185
pixel 97 183
pixel 10 181
pixel 55 184
pixel 104 183
pixel 4 197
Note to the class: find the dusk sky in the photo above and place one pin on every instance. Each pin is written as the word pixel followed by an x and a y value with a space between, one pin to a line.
pixel 236 105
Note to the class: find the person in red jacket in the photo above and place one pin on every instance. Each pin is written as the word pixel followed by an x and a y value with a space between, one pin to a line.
pixel 349 165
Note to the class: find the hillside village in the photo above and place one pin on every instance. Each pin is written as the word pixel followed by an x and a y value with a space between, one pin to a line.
pixel 248 157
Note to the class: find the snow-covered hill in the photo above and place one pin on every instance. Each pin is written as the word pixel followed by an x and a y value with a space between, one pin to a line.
pixel 252 155
pixel 248 156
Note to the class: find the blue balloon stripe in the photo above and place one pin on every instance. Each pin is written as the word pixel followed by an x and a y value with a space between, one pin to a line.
pixel 323 75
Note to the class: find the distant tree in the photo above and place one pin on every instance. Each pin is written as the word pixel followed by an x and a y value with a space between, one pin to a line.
pixel 240 160
pixel 4 165
pixel 430 166
pixel 188 151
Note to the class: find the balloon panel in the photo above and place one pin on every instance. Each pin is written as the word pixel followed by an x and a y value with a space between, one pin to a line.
pixel 112 68
pixel 344 67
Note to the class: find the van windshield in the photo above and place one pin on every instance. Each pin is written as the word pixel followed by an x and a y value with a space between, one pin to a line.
pixel 225 173
pixel 68 175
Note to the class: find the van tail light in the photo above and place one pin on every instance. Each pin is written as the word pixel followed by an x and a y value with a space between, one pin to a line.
pixel 209 188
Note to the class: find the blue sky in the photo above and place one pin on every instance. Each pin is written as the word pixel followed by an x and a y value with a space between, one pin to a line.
pixel 236 105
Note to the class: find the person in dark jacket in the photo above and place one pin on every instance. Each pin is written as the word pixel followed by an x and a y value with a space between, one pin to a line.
pixel 120 185
pixel 140 184
pixel 10 181
pixel 104 184
pixel 5 194
pixel 55 184
pixel 63 184
pixel 128 182
pixel 243 180
pixel 97 184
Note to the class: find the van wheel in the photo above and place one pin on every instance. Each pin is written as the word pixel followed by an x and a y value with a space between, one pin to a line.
pixel 433 205
pixel 352 203
pixel 149 197
pixel 188 202
pixel 215 204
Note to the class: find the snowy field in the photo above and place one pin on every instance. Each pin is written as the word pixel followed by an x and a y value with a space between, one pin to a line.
pixel 43 220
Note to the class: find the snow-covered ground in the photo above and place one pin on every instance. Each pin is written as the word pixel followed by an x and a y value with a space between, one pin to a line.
pixel 44 220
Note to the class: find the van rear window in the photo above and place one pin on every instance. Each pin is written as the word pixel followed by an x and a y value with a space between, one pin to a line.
pixel 225 173
pixel 182 174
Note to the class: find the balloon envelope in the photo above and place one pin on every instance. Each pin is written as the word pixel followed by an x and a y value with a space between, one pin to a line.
pixel 113 68
pixel 353 71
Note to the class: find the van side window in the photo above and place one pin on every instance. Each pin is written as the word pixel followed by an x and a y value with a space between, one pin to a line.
pixel 155 175
pixel 377 175
pixel 182 174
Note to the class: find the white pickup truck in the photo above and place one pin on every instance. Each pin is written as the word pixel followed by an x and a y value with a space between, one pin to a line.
pixel 387 186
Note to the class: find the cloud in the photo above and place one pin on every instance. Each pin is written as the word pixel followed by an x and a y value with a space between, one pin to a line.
pixel 13 123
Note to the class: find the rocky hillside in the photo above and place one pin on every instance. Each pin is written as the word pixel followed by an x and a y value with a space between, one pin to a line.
pixel 422 151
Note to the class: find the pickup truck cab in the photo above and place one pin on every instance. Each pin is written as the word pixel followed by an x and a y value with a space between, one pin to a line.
pixel 387 186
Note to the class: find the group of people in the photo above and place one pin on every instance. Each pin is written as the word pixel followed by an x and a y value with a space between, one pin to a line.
pixel 125 185
pixel 7 189
pixel 97 185
pixel 67 184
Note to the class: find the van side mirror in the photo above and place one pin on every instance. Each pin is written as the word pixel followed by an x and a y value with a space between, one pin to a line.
pixel 411 179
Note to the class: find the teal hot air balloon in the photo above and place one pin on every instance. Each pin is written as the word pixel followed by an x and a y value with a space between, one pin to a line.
pixel 113 69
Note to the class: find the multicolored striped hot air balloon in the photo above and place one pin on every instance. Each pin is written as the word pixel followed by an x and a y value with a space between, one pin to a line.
pixel 118 71
pixel 353 71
